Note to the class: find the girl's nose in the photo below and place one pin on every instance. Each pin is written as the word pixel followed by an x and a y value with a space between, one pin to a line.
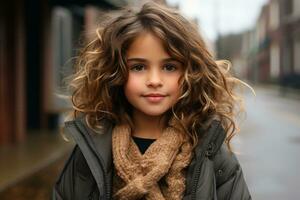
pixel 154 79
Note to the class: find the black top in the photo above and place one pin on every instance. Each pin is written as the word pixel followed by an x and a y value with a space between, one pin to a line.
pixel 143 143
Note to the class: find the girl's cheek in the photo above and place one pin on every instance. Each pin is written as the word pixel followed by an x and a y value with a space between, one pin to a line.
pixel 134 79
pixel 133 83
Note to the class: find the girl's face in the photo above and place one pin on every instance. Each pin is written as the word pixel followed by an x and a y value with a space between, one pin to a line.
pixel 153 81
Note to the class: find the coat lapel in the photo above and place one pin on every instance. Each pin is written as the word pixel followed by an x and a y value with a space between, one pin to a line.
pixel 100 142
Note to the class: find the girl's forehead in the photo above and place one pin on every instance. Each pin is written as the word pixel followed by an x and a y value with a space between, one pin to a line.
pixel 147 44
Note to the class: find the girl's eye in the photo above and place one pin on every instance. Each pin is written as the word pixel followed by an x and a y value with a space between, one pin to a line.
pixel 170 67
pixel 137 68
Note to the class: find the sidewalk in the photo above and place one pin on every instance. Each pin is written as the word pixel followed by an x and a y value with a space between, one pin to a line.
pixel 38 151
pixel 281 91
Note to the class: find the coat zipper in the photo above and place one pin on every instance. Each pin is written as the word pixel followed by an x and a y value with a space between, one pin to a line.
pixel 106 186
pixel 196 179
pixel 205 153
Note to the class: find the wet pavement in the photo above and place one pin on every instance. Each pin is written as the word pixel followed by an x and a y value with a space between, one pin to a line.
pixel 268 148
pixel 268 144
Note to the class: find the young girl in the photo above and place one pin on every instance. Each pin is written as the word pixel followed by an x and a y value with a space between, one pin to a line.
pixel 153 114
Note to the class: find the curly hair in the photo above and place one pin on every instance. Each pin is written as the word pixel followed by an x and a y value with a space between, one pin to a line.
pixel 207 86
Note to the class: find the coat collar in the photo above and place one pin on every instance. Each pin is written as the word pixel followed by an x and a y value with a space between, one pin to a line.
pixel 100 143
pixel 212 140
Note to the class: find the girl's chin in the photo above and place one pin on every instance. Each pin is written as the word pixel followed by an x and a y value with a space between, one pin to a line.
pixel 153 113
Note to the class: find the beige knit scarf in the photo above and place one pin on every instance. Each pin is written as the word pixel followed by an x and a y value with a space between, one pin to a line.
pixel 157 174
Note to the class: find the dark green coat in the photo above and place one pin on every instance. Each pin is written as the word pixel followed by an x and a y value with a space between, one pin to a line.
pixel 213 174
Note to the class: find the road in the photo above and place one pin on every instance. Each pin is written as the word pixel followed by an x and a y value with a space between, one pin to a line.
pixel 268 145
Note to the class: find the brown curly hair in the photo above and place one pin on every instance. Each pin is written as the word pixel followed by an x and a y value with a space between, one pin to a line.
pixel 101 72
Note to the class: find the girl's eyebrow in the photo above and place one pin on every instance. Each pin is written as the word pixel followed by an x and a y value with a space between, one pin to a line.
pixel 145 60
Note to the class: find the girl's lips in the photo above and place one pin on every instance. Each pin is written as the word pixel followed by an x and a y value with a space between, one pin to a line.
pixel 154 95
pixel 154 99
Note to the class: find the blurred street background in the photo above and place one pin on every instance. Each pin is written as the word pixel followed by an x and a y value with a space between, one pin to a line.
pixel 38 39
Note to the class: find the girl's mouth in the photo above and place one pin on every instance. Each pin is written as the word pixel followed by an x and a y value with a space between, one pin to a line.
pixel 154 98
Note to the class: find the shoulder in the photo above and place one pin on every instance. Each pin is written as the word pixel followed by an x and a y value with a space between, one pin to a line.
pixel 230 181
pixel 225 158
pixel 214 148
pixel 220 162
pixel 226 164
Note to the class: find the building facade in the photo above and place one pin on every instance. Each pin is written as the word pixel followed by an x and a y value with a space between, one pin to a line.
pixel 38 39
pixel 271 48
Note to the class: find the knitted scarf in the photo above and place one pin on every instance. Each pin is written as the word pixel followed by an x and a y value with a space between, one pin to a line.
pixel 157 174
